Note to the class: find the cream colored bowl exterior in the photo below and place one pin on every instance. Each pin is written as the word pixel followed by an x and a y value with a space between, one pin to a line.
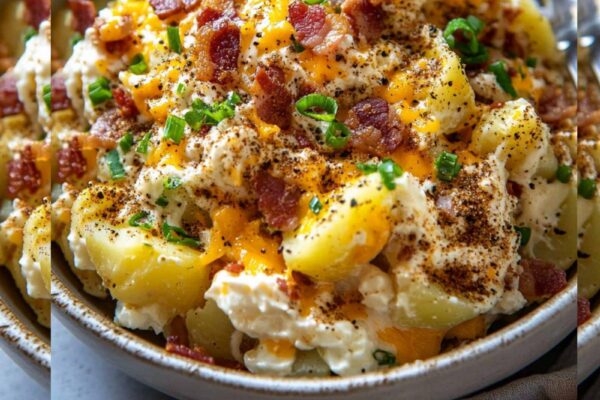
pixel 588 347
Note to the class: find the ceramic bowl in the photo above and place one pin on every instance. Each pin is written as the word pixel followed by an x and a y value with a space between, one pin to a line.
pixel 452 374
pixel 588 343
pixel 23 339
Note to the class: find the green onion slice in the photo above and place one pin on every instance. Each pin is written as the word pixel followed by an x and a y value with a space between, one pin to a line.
pixel 180 89
pixel 143 220
pixel 563 173
pixel 313 2
pixel 367 168
pixel 461 34
pixel 126 142
pixel 296 46
pixel 318 107
pixel 499 69
pixel 175 234
pixel 389 171
pixel 76 38
pixel 174 129
pixel 142 148
pixel 162 201
pixel 524 233
pixel 114 164
pixel 315 205
pixel 384 357
pixel 447 166
pixel 587 188
pixel 99 91
pixel 337 135
pixel 531 62
pixel 172 182
pixel 29 33
pixel 174 39
pixel 47 93
pixel 138 65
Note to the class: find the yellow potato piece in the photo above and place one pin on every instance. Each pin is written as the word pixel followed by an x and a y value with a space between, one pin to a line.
pixel 36 240
pixel 517 129
pixel 350 230
pixel 211 329
pixel 537 28
pixel 588 270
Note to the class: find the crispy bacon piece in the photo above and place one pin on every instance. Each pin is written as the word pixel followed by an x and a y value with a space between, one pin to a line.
pixel 166 8
pixel 125 103
pixel 60 100
pixel 224 49
pixel 273 100
pixel 277 201
pixel 118 47
pixel 514 189
pixel 310 23
pixel 84 14
pixel 37 11
pixel 540 279
pixel 234 267
pixel 555 107
pixel 584 312
pixel 23 174
pixel 71 163
pixel 197 353
pixel 367 19
pixel 9 97
pixel 207 16
pixel 111 126
pixel 375 129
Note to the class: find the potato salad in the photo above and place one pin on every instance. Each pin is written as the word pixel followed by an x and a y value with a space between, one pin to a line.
pixel 310 187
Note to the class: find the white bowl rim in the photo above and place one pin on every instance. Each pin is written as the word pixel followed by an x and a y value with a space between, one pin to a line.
pixel 123 339
pixel 588 340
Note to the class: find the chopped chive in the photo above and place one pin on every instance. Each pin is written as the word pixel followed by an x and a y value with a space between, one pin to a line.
pixel 174 129
pixel 194 119
pixel 524 233
pixel 99 91
pixel 587 188
pixel 315 205
pixel 384 357
pixel 447 166
pixel 47 94
pixel 114 165
pixel 180 89
pixel 175 234
pixel 172 182
pixel 318 107
pixel 29 33
pixel 138 65
pixel 76 38
pixel 296 46
pixel 174 39
pixel 233 99
pixel 126 142
pixel 531 62
pixel 499 70
pixel 136 220
pixel 389 171
pixel 313 2
pixel 337 135
pixel 563 173
pixel 461 34
pixel 162 201
pixel 367 168
pixel 142 147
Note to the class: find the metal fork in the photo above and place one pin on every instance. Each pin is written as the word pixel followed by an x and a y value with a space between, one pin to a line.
pixel 589 30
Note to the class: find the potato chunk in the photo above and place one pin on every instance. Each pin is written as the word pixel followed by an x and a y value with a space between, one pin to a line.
pixel 210 328
pixel 350 230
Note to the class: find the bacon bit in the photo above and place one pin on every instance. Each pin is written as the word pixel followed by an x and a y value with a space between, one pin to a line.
pixel 514 189
pixel 367 19
pixel 540 279
pixel 302 139
pixel 234 268
pixel 23 174
pixel 555 107
pixel 273 100
pixel 207 16
pixel 178 331
pixel 277 201
pixel 9 96
pixel 59 98
pixel 84 14
pixel 118 47
pixel 111 126
pixel 224 50
pixel 37 11
pixel 584 312
pixel 374 127
pixel 305 89
pixel 282 285
pixel 310 23
pixel 197 353
pixel 125 103
pixel 71 163
pixel 166 8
